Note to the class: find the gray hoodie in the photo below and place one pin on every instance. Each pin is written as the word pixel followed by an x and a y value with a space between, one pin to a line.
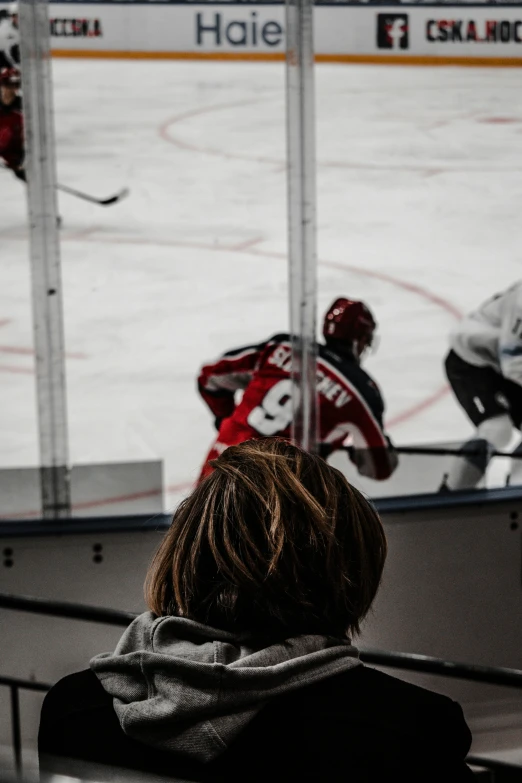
pixel 184 687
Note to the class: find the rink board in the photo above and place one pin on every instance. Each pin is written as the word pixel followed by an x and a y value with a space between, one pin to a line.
pixel 96 490
pixel 426 35
pixel 451 589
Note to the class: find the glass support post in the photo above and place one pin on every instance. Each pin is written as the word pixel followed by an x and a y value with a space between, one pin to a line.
pixel 45 257
pixel 302 219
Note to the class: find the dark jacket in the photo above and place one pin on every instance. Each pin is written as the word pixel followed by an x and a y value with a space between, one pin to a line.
pixel 360 726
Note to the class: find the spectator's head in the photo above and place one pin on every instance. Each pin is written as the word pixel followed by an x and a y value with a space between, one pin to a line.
pixel 273 541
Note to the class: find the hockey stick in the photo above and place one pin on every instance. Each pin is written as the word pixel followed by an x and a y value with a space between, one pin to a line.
pixel 434 451
pixel 441 452
pixel 104 202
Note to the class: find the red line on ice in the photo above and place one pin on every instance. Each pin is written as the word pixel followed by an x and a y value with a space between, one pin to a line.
pixel 22 351
pixel 89 504
pixel 30 352
pixel 245 245
pixel 16 370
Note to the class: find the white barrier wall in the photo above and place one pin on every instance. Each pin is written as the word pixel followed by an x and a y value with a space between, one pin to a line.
pixel 365 33
pixel 451 589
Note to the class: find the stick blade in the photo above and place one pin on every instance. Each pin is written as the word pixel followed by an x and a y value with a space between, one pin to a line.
pixel 116 198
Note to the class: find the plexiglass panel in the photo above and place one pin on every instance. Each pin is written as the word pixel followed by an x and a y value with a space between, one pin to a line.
pixel 190 265
pixel 417 180
pixel 18 425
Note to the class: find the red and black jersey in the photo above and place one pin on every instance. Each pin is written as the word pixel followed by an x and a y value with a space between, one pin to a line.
pixel 350 405
pixel 12 133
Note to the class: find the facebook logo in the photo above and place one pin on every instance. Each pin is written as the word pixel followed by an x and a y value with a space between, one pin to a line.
pixel 392 31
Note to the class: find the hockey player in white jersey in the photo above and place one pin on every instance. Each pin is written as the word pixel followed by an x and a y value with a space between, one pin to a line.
pixel 484 368
pixel 10 39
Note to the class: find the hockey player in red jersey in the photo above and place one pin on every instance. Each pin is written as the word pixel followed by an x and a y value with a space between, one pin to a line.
pixel 11 122
pixel 350 405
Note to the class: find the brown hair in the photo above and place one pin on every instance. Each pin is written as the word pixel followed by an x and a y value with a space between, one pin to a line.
pixel 273 541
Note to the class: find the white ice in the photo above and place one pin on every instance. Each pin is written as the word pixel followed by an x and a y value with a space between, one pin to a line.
pixel 419 198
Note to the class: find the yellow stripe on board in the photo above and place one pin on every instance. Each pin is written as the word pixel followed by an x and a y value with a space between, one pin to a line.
pixel 371 59
pixel 126 55
pixel 420 59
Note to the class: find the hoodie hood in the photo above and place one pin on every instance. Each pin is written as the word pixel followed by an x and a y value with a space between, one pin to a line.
pixel 190 689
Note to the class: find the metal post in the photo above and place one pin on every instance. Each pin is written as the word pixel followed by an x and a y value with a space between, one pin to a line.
pixel 45 257
pixel 15 729
pixel 301 218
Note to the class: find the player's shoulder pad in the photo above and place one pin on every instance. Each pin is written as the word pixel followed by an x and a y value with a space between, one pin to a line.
pixel 280 337
pixel 356 377
pixel 256 347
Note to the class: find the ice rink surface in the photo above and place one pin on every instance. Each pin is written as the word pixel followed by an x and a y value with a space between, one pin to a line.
pixel 419 198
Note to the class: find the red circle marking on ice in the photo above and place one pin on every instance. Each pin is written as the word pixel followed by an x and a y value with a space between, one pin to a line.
pixel 427 169
pixel 280 163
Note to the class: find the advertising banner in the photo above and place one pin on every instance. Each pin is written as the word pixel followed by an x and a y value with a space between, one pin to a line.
pixel 371 33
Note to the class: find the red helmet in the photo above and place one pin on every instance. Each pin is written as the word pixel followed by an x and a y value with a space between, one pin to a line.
pixel 350 321
pixel 10 77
